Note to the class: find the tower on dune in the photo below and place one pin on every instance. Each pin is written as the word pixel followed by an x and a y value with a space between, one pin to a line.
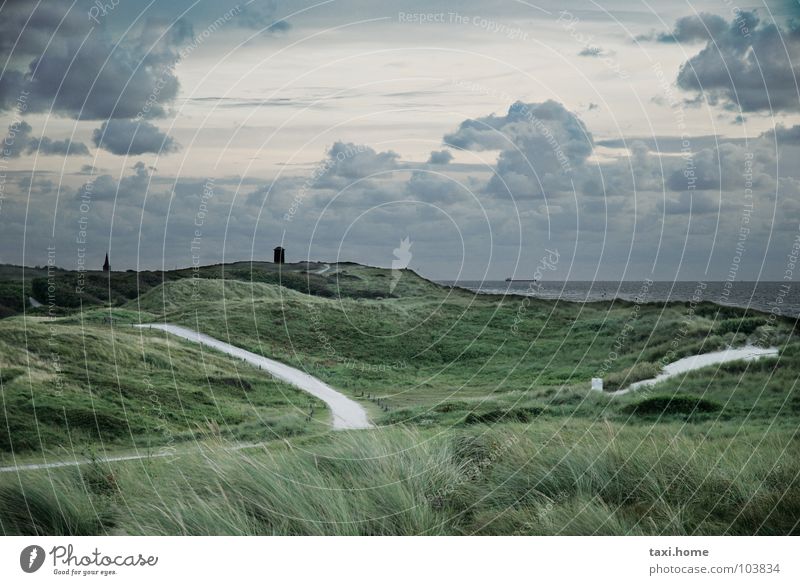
pixel 279 256
pixel 106 265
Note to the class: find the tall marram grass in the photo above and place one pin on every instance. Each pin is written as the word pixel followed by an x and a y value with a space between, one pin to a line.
pixel 635 484
pixel 511 480
pixel 363 484
pixel 61 504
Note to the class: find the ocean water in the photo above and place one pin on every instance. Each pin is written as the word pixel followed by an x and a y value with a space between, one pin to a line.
pixel 761 296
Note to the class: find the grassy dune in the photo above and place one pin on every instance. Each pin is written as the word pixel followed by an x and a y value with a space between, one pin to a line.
pixel 553 479
pixel 81 387
pixel 456 357
pixel 486 422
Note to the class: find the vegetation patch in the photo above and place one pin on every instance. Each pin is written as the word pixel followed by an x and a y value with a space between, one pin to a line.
pixel 518 414
pixel 668 405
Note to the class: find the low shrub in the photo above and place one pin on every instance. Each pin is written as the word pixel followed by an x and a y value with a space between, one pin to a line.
pixel 668 405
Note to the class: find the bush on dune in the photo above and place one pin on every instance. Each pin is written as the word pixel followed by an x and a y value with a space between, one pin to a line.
pixel 671 404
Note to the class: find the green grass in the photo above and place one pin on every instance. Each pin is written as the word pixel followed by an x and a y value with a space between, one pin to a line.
pixel 543 480
pixel 411 355
pixel 486 423
pixel 65 292
pixel 675 404
pixel 71 387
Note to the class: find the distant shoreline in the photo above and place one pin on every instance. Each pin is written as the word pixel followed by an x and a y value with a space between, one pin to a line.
pixel 763 296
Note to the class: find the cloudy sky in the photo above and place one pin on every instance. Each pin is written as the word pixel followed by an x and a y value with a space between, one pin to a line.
pixel 638 139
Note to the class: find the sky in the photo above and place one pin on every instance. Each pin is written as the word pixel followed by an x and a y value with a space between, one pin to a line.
pixel 629 140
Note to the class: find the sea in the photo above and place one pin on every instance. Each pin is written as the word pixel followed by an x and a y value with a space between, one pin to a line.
pixel 761 296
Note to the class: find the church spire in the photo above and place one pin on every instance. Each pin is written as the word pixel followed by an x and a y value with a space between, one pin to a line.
pixel 106 265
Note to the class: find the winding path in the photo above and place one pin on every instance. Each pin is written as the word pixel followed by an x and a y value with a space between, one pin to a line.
pixel 695 362
pixel 347 413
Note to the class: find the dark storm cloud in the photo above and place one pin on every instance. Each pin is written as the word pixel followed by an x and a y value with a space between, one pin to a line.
pixel 129 137
pixel 689 29
pixel 18 141
pixel 723 168
pixel 690 203
pixel 667 144
pixel 591 52
pixel 45 145
pixel 78 70
pixel 546 154
pixel 357 160
pixel 540 146
pixel 347 162
pixel 751 65
pixel 528 126
pixel 440 157
pixel 435 188
pixel 784 135
pixel 28 31
pixel 130 187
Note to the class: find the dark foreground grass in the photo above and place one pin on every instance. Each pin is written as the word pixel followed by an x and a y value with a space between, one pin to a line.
pixel 512 479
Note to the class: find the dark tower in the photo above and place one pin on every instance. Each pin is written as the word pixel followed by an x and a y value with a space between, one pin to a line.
pixel 279 256
pixel 106 265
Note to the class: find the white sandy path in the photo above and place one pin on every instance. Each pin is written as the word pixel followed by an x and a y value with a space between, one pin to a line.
pixel 347 413
pixel 695 362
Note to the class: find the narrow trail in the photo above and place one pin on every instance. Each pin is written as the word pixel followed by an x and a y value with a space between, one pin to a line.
pixel 695 362
pixel 347 413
